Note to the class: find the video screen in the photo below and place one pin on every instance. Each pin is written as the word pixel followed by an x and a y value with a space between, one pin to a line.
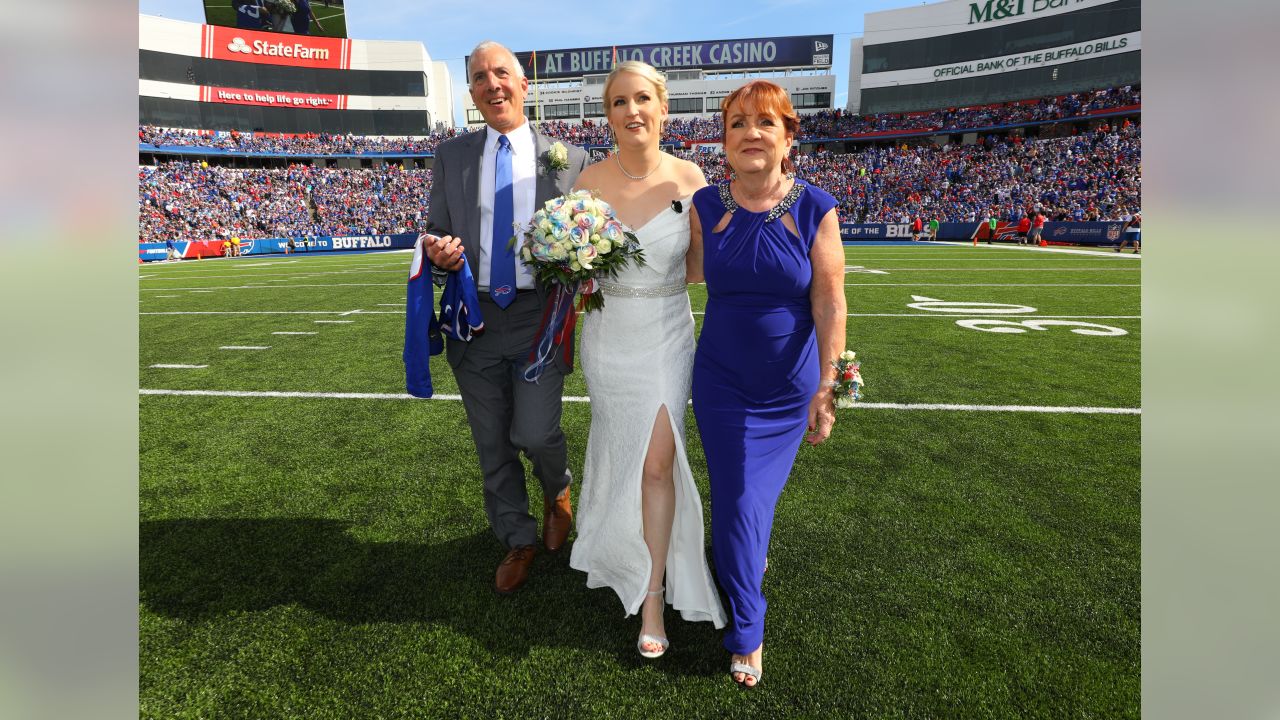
pixel 327 18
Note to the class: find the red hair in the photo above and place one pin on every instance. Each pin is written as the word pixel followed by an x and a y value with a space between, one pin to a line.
pixel 767 99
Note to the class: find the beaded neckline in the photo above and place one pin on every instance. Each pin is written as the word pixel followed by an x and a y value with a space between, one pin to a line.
pixel 731 205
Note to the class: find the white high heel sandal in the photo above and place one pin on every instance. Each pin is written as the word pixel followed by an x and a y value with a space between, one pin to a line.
pixel 654 639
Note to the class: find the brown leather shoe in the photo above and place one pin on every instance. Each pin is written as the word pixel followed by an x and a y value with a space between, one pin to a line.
pixel 557 517
pixel 513 571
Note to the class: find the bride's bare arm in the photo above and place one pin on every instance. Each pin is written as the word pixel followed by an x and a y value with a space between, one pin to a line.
pixel 693 258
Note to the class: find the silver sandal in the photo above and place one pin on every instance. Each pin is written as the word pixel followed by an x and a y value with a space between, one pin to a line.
pixel 745 669
pixel 655 639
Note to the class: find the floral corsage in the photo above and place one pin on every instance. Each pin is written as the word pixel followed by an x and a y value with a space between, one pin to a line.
pixel 848 382
pixel 557 157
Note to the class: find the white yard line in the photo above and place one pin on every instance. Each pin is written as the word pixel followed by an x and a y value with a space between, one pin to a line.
pixel 1037 249
pixel 1008 269
pixel 1031 285
pixel 273 287
pixel 335 322
pixel 177 367
pixel 288 332
pixel 919 284
pixel 189 276
pixel 245 347
pixel 852 315
pixel 248 312
pixel 583 399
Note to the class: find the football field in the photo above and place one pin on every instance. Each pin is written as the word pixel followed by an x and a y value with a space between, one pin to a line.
pixel 313 542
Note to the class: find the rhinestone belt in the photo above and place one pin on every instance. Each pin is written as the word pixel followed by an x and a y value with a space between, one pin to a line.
pixel 609 288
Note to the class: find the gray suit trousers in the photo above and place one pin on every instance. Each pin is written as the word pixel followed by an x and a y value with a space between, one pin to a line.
pixel 509 416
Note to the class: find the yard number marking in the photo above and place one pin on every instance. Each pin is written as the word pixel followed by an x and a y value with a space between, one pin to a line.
pixel 968 308
pixel 1008 326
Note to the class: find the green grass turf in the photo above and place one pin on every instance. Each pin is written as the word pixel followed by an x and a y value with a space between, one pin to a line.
pixel 334 19
pixel 323 558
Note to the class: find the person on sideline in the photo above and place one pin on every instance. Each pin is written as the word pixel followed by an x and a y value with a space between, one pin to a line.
pixel 1037 228
pixel 640 528
pixel 775 321
pixel 483 182
pixel 1131 232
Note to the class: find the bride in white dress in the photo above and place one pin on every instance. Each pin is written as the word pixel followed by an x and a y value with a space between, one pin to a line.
pixel 639 515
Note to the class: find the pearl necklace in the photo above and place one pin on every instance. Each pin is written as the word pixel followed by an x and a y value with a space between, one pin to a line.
pixel 618 157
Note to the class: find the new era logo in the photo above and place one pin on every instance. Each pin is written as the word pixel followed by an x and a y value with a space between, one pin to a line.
pixel 238 45
pixel 819 46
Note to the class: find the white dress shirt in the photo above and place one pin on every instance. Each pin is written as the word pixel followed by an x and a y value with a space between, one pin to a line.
pixel 524 180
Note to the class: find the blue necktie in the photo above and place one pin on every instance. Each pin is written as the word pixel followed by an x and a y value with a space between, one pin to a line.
pixel 502 256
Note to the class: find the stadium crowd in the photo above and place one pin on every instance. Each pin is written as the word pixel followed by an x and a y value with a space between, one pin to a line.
pixel 836 124
pixel 300 144
pixel 1096 176
pixel 825 124
pixel 1093 176
pixel 195 201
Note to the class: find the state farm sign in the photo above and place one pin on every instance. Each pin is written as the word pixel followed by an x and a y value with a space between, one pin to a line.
pixel 223 43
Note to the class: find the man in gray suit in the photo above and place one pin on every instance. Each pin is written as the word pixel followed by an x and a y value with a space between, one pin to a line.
pixel 482 181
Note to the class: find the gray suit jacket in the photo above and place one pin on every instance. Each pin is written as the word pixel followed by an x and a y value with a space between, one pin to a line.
pixel 455 198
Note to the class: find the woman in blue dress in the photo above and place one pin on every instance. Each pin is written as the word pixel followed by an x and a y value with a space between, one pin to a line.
pixel 775 321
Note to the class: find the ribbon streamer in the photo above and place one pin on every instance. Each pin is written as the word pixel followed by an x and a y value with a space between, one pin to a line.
pixel 558 321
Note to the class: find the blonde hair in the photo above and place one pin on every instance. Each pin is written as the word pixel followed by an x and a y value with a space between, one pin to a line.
pixel 644 70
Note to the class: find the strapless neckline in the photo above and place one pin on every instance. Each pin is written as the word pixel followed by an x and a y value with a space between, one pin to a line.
pixel 684 203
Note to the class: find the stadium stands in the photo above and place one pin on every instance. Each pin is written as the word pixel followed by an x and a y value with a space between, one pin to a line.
pixel 1089 176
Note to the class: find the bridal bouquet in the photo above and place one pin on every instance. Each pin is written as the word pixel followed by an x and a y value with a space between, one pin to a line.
pixel 570 243
pixel 848 384
pixel 574 239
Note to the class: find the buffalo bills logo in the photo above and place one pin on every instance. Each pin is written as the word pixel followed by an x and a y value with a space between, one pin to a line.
pixel 1060 231
pixel 502 290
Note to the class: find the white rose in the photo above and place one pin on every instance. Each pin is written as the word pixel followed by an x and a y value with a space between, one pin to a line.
pixel 848 355
pixel 603 246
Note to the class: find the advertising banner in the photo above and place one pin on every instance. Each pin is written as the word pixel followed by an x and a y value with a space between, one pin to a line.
pixel 273 98
pixel 241 45
pixel 198 249
pixel 1128 42
pixel 1083 233
pixel 793 51
pixel 875 231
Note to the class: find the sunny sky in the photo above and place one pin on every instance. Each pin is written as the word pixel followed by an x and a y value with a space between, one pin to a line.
pixel 450 30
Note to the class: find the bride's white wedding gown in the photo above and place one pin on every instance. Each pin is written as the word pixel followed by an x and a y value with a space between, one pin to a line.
pixel 637 356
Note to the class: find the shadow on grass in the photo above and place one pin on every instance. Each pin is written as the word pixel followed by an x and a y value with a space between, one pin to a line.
pixel 199 570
